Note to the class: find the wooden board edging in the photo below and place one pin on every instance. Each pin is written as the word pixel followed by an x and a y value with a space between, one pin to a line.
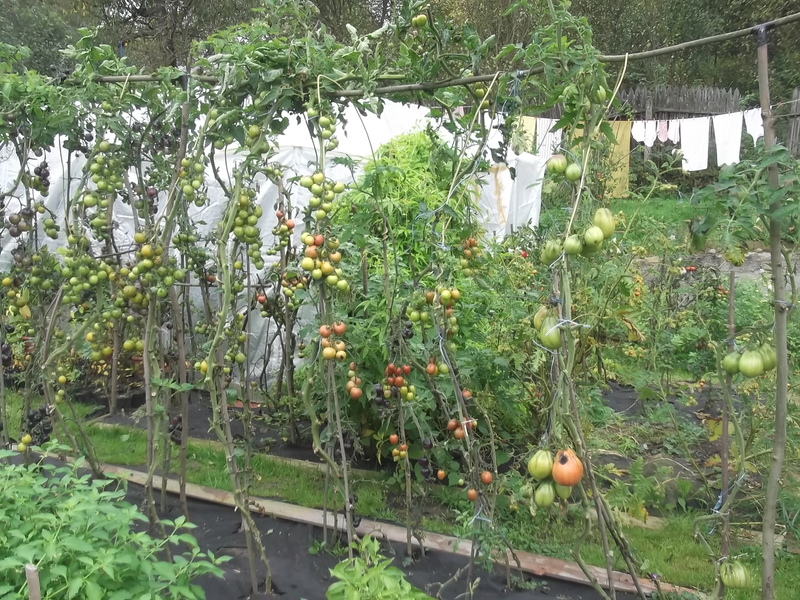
pixel 542 566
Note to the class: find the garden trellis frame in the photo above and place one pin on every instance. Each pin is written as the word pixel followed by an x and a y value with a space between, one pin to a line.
pixel 781 305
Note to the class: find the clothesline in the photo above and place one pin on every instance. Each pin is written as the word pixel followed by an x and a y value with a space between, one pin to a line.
pixel 691 135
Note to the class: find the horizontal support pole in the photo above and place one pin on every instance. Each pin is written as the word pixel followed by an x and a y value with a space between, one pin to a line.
pixel 434 85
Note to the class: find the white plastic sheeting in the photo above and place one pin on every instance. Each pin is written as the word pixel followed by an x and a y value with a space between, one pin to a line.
pixel 510 203
pixel 505 204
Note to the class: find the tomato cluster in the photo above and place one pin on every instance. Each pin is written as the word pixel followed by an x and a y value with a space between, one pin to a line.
pixel 470 252
pixel 436 368
pixel 321 256
pixel 175 429
pixel 289 286
pixel 555 478
pixel 37 427
pixel 192 181
pixel 333 349
pixel 395 383
pixel 353 383
pixel 40 180
pixel 326 126
pixel 282 230
pixel 107 168
pixel 459 428
pixel 245 226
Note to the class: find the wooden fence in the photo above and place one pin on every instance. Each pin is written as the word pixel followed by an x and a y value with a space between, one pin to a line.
pixel 676 102
pixel 663 102
pixel 793 126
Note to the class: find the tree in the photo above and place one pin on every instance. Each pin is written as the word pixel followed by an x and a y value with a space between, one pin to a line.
pixel 43 27
pixel 647 24
pixel 159 33
pixel 156 33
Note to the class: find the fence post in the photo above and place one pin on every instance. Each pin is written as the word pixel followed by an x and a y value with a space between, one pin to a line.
pixel 794 124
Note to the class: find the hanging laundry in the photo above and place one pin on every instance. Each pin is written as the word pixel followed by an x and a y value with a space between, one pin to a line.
pixel 547 142
pixel 694 143
pixel 674 131
pixel 728 137
pixel 754 123
pixel 620 161
pixel 649 133
pixel 662 130
pixel 637 131
pixel 526 192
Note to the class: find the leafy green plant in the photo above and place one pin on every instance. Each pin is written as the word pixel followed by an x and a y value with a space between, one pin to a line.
pixel 639 492
pixel 83 538
pixel 370 576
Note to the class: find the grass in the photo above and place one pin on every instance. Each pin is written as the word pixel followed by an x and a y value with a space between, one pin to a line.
pixel 670 214
pixel 656 225
pixel 14 403
pixel 273 478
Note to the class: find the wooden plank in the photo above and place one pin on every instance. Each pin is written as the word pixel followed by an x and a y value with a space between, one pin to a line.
pixel 535 564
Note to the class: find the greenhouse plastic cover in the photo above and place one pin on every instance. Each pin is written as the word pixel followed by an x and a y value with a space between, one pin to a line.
pixel 506 203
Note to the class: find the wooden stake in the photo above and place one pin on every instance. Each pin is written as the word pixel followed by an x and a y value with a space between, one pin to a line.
pixel 781 318
pixel 34 589
pixel 725 541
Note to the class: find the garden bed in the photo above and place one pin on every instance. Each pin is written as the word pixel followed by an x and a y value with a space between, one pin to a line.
pixel 219 531
pixel 297 573
pixel 301 570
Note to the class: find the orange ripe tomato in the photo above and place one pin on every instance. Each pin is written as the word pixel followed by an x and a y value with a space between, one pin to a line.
pixel 459 433
pixel 567 468
pixel 486 477
pixel 472 494
pixel 393 439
